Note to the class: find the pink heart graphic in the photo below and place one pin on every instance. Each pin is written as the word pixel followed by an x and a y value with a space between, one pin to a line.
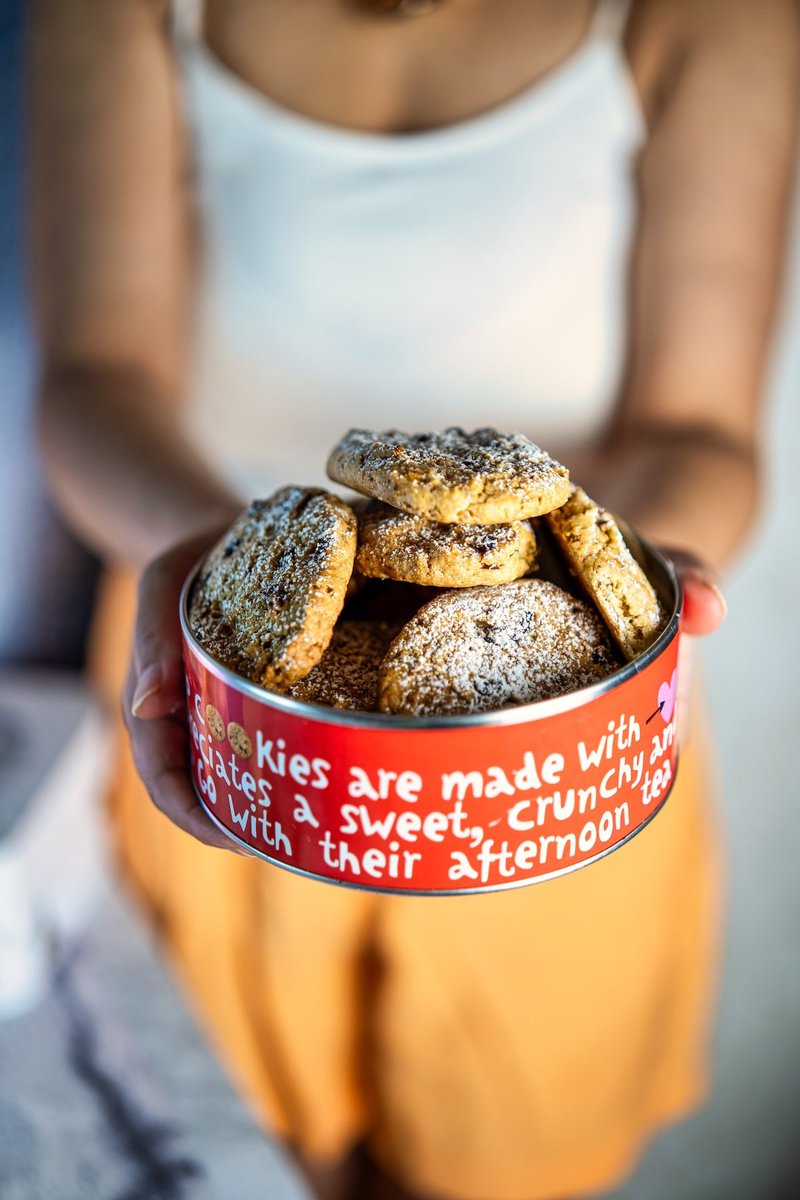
pixel 667 695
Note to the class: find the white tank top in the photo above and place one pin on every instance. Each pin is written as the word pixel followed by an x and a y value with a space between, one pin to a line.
pixel 471 275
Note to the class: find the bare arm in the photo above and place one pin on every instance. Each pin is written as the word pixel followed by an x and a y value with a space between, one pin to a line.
pixel 111 273
pixel 682 460
pixel 111 269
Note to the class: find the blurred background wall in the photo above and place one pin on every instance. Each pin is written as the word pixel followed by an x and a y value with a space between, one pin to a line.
pixel 47 581
pixel 745 1145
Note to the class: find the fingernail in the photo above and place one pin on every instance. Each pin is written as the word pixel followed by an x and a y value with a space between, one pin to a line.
pixel 148 685
pixel 715 588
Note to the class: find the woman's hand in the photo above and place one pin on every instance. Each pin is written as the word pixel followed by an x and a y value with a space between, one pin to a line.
pixel 154 699
pixel 704 607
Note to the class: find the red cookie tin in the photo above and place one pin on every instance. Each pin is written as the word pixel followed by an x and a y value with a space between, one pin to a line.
pixel 438 806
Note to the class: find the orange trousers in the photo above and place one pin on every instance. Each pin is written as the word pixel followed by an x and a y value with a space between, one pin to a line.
pixel 520 1045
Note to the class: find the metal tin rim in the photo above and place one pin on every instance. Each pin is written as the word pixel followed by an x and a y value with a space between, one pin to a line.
pixel 520 714
pixel 474 891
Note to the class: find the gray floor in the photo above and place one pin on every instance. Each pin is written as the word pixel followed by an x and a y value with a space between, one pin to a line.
pixel 92 1106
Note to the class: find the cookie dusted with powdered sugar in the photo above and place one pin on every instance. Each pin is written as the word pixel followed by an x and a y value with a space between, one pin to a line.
pixel 411 549
pixel 596 553
pixel 268 595
pixel 479 478
pixel 347 674
pixel 486 648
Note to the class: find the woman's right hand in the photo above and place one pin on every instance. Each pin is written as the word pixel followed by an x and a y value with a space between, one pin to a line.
pixel 154 697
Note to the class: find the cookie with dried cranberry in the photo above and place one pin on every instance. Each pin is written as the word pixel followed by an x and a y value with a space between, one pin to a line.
pixel 411 549
pixel 596 553
pixel 484 648
pixel 478 478
pixel 268 595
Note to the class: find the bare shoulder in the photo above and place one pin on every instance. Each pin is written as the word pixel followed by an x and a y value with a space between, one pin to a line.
pixel 748 43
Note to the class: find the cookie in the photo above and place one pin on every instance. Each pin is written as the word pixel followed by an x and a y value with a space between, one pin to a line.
pixel 485 648
pixel 347 674
pixel 268 595
pixel 396 545
pixel 480 478
pixel 596 553
pixel 215 723
pixel 239 740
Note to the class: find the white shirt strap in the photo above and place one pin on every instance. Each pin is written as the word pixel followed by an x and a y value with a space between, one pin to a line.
pixel 609 20
pixel 187 19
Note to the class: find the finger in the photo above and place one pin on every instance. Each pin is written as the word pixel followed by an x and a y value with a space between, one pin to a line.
pixel 159 688
pixel 160 753
pixel 157 653
pixel 126 703
pixel 126 696
pixel 704 607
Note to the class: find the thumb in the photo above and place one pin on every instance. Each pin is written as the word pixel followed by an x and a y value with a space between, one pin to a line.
pixel 157 667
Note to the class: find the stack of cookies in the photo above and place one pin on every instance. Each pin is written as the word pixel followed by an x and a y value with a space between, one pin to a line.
pixel 426 597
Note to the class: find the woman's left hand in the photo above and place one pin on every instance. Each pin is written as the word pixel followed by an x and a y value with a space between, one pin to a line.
pixel 704 607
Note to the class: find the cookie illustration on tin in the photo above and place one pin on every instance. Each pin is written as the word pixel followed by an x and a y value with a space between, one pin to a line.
pixel 239 739
pixel 215 723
